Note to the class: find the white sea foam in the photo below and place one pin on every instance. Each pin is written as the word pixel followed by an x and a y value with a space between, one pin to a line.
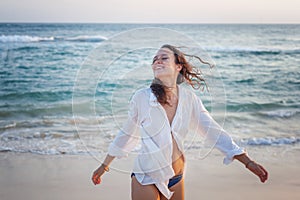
pixel 56 146
pixel 280 113
pixel 28 38
pixel 23 38
pixel 86 38
pixel 251 50
pixel 271 141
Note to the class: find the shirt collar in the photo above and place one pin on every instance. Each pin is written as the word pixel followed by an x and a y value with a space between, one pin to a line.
pixel 152 99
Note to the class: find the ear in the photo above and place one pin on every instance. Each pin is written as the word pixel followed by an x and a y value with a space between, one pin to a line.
pixel 179 67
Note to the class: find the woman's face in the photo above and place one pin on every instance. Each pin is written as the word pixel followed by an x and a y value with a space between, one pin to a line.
pixel 163 64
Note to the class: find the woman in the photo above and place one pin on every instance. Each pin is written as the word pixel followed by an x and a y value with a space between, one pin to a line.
pixel 160 117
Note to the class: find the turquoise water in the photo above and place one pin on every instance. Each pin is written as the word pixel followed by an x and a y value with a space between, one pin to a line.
pixel 39 64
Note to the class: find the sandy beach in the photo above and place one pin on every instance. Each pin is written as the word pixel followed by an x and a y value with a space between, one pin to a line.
pixel 30 177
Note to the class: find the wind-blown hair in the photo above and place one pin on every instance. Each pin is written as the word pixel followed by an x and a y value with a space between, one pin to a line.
pixel 190 74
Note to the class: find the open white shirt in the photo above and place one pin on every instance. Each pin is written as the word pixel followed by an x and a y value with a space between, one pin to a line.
pixel 147 123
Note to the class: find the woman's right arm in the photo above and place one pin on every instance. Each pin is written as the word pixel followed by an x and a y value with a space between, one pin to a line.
pixel 104 167
pixel 123 143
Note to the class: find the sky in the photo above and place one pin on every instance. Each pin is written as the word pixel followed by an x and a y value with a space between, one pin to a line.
pixel 154 11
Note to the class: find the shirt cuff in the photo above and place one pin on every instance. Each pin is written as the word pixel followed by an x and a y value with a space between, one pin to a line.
pixel 229 156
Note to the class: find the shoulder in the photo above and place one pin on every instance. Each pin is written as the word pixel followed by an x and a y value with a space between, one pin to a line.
pixel 141 94
pixel 192 100
pixel 189 96
pixel 187 92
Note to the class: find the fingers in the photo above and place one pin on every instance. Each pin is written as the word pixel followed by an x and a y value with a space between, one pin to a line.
pixel 264 174
pixel 260 171
pixel 264 170
pixel 96 178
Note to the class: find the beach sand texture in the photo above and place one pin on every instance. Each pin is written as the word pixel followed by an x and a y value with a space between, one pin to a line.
pixel 32 177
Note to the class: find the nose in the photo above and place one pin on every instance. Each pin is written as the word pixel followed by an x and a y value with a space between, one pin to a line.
pixel 158 61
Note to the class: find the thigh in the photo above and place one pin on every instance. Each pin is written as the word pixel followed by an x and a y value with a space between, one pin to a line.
pixel 178 190
pixel 143 192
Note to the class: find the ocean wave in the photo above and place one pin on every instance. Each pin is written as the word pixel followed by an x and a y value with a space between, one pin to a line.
pixel 10 125
pixel 46 143
pixel 23 38
pixel 75 148
pixel 85 38
pixel 29 39
pixel 255 51
pixel 44 151
pixel 64 108
pixel 31 111
pixel 48 96
pixel 271 141
pixel 280 113
pixel 26 48
pixel 55 145
pixel 255 141
pixel 247 80
pixel 256 107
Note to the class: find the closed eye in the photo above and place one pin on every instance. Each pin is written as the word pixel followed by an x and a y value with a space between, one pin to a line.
pixel 163 58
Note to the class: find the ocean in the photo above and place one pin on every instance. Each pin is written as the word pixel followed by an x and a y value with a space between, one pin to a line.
pixel 47 107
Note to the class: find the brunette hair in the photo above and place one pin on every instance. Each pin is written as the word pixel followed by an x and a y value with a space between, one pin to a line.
pixel 188 73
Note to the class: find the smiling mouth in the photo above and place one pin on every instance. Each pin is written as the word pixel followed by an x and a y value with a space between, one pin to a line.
pixel 158 67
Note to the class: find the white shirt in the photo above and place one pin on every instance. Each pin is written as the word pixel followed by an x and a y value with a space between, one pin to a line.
pixel 148 123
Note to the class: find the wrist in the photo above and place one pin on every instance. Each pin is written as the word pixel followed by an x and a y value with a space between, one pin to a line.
pixel 105 167
pixel 248 163
pixel 243 158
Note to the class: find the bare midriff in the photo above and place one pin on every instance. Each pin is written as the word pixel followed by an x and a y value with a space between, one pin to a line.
pixel 177 159
pixel 177 156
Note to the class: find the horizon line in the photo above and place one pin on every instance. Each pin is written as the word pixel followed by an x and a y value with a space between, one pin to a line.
pixel 163 23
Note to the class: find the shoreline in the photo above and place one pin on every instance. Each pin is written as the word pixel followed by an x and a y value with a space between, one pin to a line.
pixel 31 176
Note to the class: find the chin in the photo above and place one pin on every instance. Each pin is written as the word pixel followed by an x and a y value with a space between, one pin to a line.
pixel 160 75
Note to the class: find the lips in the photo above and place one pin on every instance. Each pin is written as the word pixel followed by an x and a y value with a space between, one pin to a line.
pixel 158 67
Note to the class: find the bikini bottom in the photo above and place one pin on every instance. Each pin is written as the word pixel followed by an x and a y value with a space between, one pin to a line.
pixel 172 181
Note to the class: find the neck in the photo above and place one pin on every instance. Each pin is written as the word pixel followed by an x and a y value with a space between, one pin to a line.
pixel 171 87
pixel 170 84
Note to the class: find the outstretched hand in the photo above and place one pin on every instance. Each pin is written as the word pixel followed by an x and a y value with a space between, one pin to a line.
pixel 258 170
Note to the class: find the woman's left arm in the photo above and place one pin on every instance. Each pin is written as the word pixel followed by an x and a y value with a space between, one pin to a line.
pixel 254 167
pixel 219 138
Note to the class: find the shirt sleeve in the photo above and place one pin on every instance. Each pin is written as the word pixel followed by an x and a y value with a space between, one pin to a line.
pixel 214 134
pixel 128 136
